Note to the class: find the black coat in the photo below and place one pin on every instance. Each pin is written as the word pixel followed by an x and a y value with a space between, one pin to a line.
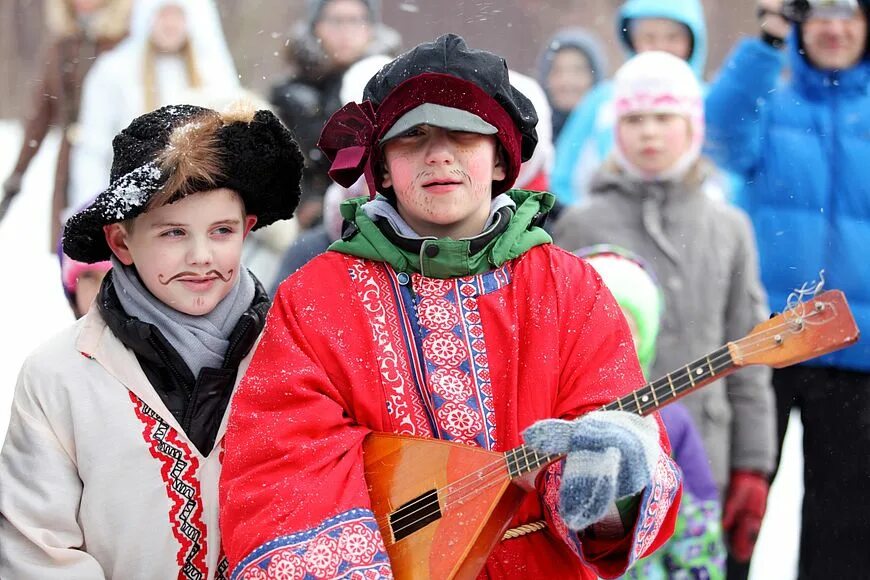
pixel 198 403
pixel 308 97
pixel 304 104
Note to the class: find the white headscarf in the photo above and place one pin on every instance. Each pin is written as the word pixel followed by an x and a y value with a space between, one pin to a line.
pixel 114 93
pixel 542 159
pixel 205 34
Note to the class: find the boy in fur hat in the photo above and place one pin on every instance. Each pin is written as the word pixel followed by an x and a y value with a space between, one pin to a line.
pixel 443 312
pixel 111 462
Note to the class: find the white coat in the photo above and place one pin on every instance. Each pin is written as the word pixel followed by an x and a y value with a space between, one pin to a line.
pixel 113 93
pixel 97 478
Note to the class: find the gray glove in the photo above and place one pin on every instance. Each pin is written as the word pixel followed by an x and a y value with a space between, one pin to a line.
pixel 610 455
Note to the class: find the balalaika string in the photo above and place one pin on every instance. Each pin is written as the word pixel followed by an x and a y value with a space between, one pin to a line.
pixel 493 473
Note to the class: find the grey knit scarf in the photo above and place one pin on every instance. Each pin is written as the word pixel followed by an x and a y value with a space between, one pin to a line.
pixel 201 341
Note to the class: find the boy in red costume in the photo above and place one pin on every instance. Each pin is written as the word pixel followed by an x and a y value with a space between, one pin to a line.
pixel 444 311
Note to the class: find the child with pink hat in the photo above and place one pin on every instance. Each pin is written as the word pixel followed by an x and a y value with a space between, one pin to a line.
pixel 649 198
pixel 81 282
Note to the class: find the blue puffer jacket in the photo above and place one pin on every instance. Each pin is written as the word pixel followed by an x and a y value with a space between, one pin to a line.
pixel 587 136
pixel 803 148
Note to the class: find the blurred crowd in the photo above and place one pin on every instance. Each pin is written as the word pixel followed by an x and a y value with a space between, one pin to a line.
pixel 768 190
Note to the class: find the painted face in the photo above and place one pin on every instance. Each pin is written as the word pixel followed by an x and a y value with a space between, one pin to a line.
pixel 344 30
pixel 569 79
pixel 169 31
pixel 661 34
pixel 653 142
pixel 187 253
pixel 443 179
pixel 835 43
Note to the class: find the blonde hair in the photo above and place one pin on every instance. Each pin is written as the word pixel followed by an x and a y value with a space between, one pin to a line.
pixel 151 86
pixel 111 20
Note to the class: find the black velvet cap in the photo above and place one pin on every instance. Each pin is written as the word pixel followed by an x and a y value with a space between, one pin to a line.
pixel 450 55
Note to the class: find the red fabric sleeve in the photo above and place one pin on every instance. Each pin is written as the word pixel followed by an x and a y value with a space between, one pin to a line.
pixel 598 365
pixel 598 359
pixel 293 456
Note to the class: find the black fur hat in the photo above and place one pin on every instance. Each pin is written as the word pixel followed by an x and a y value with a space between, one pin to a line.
pixel 181 149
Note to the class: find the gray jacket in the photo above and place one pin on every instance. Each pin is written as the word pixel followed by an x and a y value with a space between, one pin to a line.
pixel 704 255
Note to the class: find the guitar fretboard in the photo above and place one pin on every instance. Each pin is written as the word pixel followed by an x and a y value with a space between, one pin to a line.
pixel 648 398
pixel 675 384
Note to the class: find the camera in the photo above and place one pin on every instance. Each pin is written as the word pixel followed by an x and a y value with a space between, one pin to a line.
pixel 802 10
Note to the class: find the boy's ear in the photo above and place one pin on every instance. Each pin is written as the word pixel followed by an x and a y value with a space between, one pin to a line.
pixel 499 172
pixel 250 222
pixel 116 238
pixel 387 180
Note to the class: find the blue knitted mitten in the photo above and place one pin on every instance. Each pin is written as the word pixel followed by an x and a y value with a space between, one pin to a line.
pixel 610 455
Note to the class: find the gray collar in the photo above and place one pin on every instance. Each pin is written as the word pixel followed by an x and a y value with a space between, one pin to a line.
pixel 381 208
pixel 201 341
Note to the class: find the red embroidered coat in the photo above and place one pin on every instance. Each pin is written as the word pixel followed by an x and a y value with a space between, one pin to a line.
pixel 351 346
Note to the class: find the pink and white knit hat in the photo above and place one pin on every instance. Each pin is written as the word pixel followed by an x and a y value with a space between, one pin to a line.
pixel 659 82
pixel 71 270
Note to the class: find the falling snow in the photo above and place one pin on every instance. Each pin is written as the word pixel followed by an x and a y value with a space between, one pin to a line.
pixel 36 309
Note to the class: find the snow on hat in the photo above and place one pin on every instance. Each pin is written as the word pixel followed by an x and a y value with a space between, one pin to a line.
pixel 659 82
pixel 635 289
pixel 178 150
pixel 471 90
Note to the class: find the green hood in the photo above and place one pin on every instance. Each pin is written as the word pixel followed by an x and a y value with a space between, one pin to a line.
pixel 445 257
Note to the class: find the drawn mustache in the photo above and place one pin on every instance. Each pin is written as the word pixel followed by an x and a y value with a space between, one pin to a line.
pixel 224 278
pixel 458 174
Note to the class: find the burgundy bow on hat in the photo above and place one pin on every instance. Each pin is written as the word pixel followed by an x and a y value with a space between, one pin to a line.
pixel 347 140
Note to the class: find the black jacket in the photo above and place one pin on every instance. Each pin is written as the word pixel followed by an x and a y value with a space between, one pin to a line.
pixel 305 104
pixel 307 98
pixel 197 403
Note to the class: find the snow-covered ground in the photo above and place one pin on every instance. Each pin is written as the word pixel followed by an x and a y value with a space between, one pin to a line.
pixel 32 307
pixel 32 304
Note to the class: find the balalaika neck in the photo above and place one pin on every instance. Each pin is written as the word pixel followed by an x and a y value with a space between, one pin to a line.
pixel 522 460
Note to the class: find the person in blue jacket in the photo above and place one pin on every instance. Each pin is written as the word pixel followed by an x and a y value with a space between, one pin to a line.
pixel 674 26
pixel 802 146
pixel 570 66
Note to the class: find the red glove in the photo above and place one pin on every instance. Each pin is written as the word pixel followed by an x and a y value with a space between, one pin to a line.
pixel 744 508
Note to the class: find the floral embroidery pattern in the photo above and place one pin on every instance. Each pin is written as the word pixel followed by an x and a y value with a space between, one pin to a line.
pixel 451 383
pixel 553 481
pixel 179 468
pixel 454 351
pixel 347 546
pixel 403 397
pixel 655 505
pixel 431 350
